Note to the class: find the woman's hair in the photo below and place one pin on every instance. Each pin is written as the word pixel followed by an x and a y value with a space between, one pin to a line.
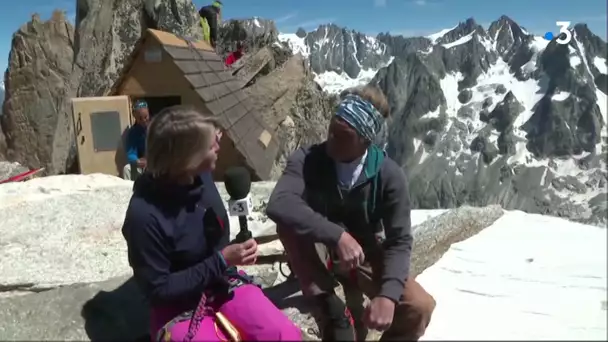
pixel 177 140
pixel 373 94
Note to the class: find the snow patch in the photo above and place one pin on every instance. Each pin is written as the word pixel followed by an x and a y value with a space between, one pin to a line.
pixel 560 96
pixel 333 83
pixel 551 287
pixel 297 44
pixel 435 36
pixel 449 86
pixel 600 64
pixel 459 41
pixel 575 61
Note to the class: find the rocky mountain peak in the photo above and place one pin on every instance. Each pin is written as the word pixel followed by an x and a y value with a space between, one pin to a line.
pixel 342 50
pixel 301 33
pixel 400 45
pixel 463 29
pixel 507 36
pixel 594 45
pixel 503 22
pixel 255 33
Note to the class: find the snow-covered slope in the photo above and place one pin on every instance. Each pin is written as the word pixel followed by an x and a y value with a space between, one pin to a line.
pixel 526 277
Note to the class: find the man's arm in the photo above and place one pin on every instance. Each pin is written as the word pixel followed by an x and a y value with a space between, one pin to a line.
pixel 131 147
pixel 288 208
pixel 397 225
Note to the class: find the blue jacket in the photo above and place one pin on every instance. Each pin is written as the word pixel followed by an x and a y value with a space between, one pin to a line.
pixel 136 143
pixel 174 235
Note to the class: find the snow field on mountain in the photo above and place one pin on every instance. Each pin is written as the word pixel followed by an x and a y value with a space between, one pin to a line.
pixel 334 83
pixel 526 92
pixel 331 81
pixel 526 277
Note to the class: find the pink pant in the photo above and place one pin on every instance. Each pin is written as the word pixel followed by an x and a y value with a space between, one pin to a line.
pixel 249 310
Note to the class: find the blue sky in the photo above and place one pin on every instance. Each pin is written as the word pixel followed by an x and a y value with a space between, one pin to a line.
pixel 408 17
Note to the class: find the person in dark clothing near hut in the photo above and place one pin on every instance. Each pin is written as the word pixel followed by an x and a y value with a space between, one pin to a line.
pixel 211 16
pixel 136 141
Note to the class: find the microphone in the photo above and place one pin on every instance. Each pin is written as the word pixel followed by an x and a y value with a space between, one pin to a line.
pixel 237 181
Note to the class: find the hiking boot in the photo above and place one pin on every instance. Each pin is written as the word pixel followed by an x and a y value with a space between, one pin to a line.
pixel 336 320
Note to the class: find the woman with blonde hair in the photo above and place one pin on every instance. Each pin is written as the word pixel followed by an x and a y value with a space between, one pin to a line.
pixel 177 233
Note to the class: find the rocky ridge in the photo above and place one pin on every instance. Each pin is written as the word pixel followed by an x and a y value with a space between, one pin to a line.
pixel 505 117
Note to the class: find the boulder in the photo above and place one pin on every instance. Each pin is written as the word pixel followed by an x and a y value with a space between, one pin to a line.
pixel 39 227
pixel 117 26
pixel 294 106
pixel 35 121
pixel 8 170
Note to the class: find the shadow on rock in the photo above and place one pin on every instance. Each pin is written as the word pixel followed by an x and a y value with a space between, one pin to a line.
pixel 118 315
pixel 284 296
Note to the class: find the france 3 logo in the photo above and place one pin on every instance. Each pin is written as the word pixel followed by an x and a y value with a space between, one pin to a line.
pixel 564 36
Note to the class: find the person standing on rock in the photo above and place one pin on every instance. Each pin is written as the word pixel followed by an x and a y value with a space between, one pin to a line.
pixel 342 210
pixel 136 141
pixel 210 20
pixel 177 233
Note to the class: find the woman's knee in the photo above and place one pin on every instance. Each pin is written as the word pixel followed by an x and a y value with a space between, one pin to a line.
pixel 257 317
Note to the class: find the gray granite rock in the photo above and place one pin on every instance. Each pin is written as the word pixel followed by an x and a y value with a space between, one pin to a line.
pixel 434 237
pixel 69 227
pixel 8 169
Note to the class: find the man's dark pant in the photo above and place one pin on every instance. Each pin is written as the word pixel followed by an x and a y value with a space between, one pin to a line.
pixel 309 262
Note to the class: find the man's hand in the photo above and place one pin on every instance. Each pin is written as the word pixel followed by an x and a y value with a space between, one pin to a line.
pixel 350 252
pixel 379 314
pixel 141 162
pixel 240 254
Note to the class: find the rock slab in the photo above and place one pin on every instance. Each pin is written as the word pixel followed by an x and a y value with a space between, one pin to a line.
pixel 70 227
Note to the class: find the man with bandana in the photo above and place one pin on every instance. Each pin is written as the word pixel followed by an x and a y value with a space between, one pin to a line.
pixel 342 210
pixel 136 141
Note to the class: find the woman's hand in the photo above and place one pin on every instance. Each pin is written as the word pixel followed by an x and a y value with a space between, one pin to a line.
pixel 240 254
